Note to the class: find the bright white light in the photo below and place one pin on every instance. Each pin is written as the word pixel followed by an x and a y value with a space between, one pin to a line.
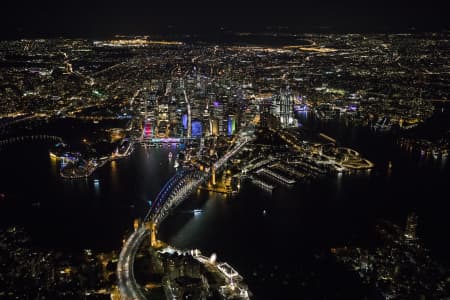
pixel 213 258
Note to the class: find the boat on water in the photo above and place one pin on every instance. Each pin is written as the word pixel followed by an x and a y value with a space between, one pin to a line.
pixel 435 153
pixel 382 125
pixel 197 212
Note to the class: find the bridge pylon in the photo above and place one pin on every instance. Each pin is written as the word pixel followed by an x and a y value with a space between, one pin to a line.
pixel 151 226
pixel 213 178
pixel 136 224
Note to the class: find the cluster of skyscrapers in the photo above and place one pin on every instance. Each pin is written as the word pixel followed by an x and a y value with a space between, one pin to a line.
pixel 189 108
pixel 277 110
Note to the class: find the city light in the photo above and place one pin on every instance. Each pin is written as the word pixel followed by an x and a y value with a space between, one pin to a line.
pixel 316 163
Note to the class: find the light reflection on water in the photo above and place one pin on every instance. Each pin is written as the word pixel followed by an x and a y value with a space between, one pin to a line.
pixel 198 226
pixel 308 218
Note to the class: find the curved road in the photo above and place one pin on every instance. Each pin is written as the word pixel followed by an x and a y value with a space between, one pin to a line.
pixel 129 289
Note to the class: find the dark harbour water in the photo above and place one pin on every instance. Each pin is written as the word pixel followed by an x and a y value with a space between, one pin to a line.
pixel 78 214
pixel 282 255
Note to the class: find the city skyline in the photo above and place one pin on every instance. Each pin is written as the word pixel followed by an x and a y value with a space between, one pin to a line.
pixel 246 159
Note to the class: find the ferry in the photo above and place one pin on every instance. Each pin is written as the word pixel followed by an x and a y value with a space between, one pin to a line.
pixel 435 153
pixel 197 212
pixel 382 125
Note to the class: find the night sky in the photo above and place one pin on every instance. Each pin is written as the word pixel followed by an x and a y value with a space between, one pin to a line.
pixel 95 18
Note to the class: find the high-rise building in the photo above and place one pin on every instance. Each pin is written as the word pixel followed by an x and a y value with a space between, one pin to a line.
pixel 197 128
pixel 411 227
pixel 278 111
pixel 148 131
pixel 286 108
pixel 219 115
pixel 214 126
pixel 231 124
pixel 265 108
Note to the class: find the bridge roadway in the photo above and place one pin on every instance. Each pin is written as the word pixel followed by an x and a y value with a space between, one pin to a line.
pixel 129 289
pixel 242 141
pixel 174 192
pixel 171 195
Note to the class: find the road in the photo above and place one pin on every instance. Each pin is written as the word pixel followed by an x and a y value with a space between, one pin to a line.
pixel 128 287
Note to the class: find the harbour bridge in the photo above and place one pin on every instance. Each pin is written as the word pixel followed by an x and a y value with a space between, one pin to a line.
pixel 177 189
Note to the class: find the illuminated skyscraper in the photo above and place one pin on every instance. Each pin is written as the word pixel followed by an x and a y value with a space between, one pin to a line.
pixel 214 127
pixel 286 109
pixel 197 129
pixel 219 115
pixel 231 124
pixel 148 132
pixel 278 111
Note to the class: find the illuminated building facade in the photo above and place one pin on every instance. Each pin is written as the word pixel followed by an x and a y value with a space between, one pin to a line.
pixel 285 108
pixel 231 124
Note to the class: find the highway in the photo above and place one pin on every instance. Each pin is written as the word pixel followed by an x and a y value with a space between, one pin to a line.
pixel 128 287
pixel 241 143
pixel 188 105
